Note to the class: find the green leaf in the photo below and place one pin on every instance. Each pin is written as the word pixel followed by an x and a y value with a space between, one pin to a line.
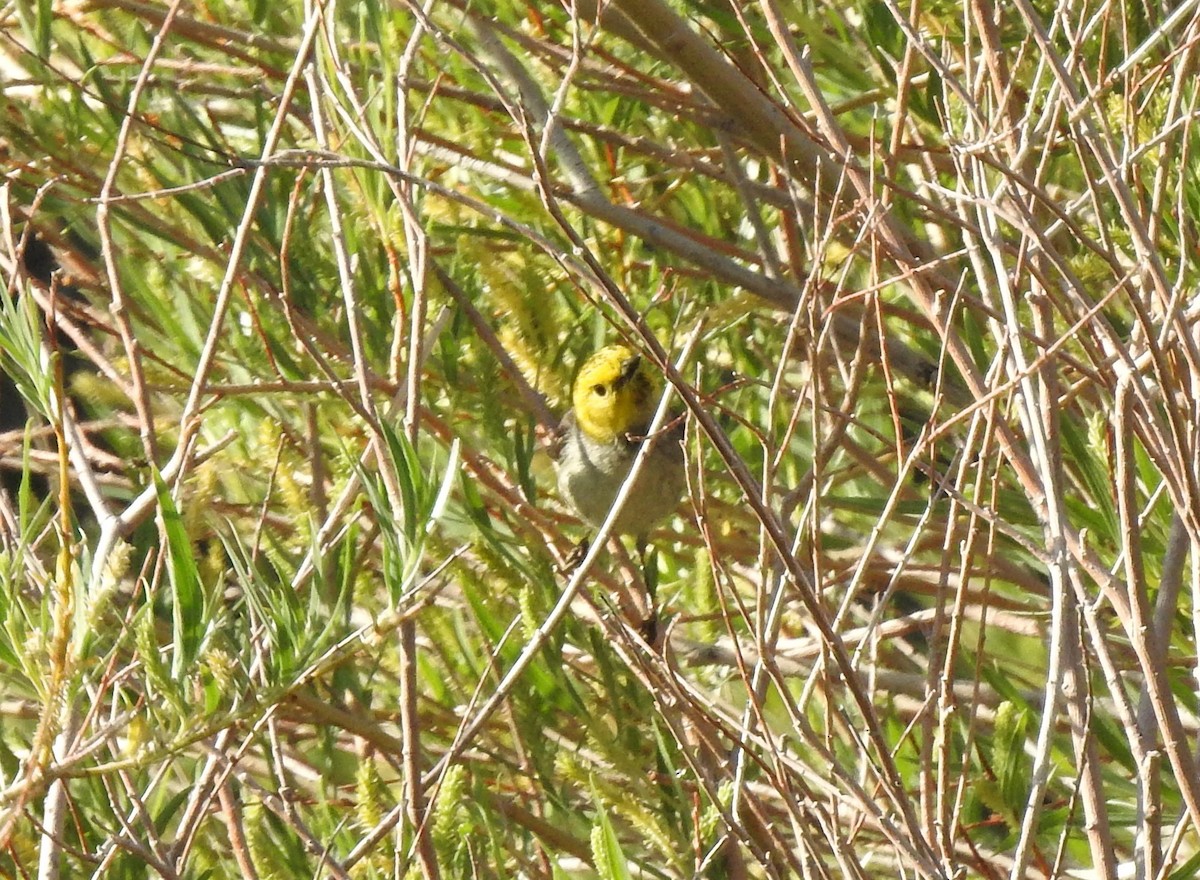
pixel 1009 761
pixel 187 598
pixel 45 15
pixel 21 355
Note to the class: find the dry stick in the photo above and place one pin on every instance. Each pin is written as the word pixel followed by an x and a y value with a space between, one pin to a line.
pixel 1147 854
pixel 1080 707
pixel 1127 363
pixel 1158 689
pixel 697 726
pixel 805 776
pixel 1019 459
pixel 699 731
pixel 1184 289
pixel 414 799
pixel 309 708
pixel 823 445
pixel 201 789
pixel 531 399
pixel 1066 636
pixel 760 120
pixel 140 813
pixel 418 250
pixel 1155 641
pixel 767 620
pixel 202 792
pixel 876 536
pixel 1037 405
pixel 780 294
pixel 278 766
pixel 1156 36
pixel 277 805
pixel 762 235
pixel 366 400
pixel 236 831
pixel 768 623
pixel 1076 682
pixel 948 810
pixel 637 145
pixel 1098 144
pixel 936 735
pixel 585 192
pixel 752 113
pixel 168 192
pixel 256 43
pixel 904 85
pixel 946 825
pixel 789 654
pixel 1181 831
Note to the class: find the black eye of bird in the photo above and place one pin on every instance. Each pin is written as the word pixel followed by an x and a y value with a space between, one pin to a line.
pixel 599 390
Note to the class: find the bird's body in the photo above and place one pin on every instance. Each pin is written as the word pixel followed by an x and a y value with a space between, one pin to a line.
pixel 614 400
pixel 591 473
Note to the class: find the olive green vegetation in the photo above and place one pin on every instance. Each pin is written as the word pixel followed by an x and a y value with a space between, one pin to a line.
pixel 281 557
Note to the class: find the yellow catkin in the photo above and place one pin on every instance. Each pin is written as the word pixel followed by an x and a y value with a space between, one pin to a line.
pixel 146 641
pixel 222 667
pixel 704 596
pixel 530 618
pixel 370 802
pixel 449 818
pixel 528 327
pixel 263 851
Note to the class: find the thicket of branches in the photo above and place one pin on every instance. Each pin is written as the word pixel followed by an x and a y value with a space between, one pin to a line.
pixel 294 294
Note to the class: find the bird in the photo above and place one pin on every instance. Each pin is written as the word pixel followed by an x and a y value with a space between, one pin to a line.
pixel 613 400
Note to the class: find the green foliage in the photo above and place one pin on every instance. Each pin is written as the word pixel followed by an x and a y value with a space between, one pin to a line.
pixel 21 355
pixel 187 611
pixel 1006 795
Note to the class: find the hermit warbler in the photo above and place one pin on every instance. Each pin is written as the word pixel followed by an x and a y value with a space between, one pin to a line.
pixel 613 399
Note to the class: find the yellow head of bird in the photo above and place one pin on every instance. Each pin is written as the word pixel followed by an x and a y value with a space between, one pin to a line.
pixel 613 394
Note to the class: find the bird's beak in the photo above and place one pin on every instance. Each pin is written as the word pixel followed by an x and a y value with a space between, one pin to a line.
pixel 629 369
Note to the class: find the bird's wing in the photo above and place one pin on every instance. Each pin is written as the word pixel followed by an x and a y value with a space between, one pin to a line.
pixel 560 435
